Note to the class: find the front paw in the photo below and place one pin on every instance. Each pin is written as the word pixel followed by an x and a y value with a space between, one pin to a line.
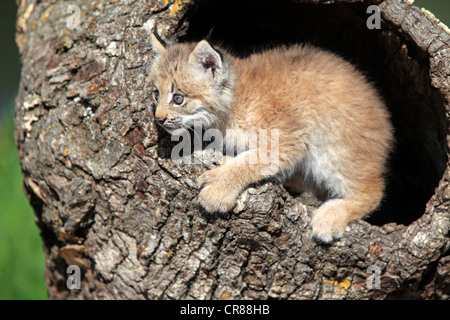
pixel 207 178
pixel 216 198
pixel 329 224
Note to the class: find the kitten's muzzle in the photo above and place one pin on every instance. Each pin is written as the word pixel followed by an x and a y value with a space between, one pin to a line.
pixel 160 121
pixel 167 124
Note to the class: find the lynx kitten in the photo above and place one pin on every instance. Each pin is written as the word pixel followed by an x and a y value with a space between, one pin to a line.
pixel 334 129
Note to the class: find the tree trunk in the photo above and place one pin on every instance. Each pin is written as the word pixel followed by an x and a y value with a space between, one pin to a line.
pixel 108 198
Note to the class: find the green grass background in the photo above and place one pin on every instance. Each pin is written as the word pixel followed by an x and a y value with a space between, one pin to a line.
pixel 21 253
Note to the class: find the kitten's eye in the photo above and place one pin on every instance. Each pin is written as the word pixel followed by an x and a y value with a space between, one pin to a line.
pixel 178 99
pixel 156 95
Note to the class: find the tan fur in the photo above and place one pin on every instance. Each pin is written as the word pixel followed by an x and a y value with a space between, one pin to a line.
pixel 334 129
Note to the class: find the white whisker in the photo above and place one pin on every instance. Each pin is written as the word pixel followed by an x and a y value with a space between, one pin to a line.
pixel 189 128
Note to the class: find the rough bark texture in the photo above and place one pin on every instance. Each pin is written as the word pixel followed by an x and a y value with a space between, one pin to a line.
pixel 108 198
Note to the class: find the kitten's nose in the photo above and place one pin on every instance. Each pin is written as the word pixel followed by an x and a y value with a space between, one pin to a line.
pixel 160 120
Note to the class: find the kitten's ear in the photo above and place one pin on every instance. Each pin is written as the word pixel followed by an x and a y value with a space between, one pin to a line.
pixel 208 59
pixel 158 44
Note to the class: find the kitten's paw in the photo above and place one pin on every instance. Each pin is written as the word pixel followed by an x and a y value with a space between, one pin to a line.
pixel 208 177
pixel 329 224
pixel 215 198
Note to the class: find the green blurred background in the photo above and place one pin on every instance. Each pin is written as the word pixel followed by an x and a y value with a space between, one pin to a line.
pixel 21 254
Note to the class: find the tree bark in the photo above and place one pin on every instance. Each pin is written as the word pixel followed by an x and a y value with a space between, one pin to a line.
pixel 108 198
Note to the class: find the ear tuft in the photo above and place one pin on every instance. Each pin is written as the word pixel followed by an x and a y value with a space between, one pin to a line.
pixel 158 44
pixel 208 59
pixel 209 35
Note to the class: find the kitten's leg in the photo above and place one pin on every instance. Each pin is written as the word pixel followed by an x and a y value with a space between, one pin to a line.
pixel 331 219
pixel 223 185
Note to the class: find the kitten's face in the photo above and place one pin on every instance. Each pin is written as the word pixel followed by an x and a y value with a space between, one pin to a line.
pixel 191 85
